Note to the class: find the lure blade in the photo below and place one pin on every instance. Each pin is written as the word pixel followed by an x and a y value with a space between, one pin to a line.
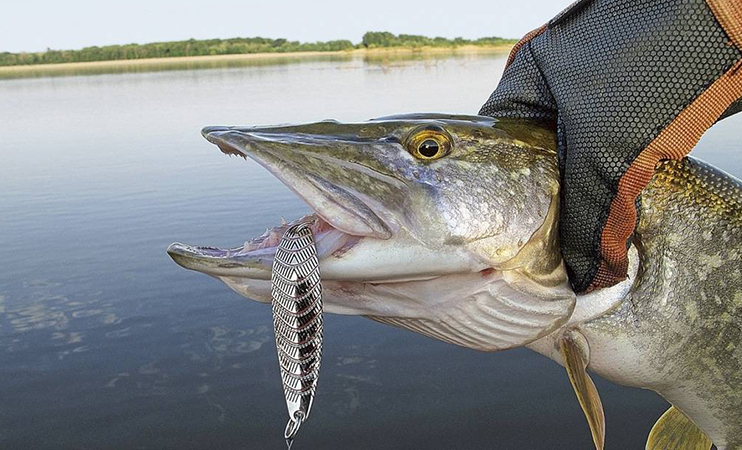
pixel 296 293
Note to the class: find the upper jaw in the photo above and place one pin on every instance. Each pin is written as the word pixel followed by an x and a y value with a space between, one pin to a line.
pixel 299 162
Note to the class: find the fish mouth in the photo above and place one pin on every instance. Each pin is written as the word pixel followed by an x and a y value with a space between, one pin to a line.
pixel 342 216
pixel 254 259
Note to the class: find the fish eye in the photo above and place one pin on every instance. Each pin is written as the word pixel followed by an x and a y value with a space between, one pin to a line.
pixel 429 148
pixel 429 143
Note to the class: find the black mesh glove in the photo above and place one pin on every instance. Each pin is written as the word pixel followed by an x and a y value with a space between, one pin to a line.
pixel 626 83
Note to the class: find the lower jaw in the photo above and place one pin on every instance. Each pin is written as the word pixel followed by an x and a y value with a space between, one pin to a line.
pixel 353 298
pixel 477 310
pixel 261 249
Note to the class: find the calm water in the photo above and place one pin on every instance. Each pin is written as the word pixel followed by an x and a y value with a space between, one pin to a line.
pixel 105 343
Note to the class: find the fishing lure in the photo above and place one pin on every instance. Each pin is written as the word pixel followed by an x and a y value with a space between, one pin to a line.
pixel 296 293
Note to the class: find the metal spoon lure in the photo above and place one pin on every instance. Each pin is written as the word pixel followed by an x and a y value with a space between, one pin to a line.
pixel 296 293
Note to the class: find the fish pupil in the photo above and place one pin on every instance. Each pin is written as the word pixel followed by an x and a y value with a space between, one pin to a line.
pixel 429 148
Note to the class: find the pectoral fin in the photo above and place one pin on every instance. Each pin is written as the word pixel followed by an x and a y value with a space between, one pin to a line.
pixel 675 431
pixel 573 347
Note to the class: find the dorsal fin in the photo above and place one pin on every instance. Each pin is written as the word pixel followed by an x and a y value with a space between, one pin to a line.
pixel 675 431
pixel 573 347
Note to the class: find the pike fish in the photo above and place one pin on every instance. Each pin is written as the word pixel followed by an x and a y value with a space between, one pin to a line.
pixel 447 226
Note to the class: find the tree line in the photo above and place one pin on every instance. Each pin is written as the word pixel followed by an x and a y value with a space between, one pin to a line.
pixel 193 47
pixel 384 39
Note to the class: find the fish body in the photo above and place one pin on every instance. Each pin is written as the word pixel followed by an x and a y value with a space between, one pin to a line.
pixel 447 226
pixel 678 331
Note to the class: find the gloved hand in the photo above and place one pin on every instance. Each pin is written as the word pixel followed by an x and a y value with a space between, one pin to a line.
pixel 626 83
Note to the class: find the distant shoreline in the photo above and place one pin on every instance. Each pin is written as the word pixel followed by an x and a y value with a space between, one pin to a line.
pixel 22 71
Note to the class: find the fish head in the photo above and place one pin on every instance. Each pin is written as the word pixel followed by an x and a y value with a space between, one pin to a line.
pixel 444 225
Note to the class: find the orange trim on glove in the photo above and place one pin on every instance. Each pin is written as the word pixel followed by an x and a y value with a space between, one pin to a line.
pixel 729 15
pixel 524 41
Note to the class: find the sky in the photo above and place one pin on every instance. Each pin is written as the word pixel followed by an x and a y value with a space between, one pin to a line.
pixel 35 25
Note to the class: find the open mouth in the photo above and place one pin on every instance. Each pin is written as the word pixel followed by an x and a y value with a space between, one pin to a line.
pixel 255 257
pixel 340 220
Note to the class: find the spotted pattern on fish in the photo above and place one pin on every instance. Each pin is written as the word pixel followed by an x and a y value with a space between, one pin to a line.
pixel 684 313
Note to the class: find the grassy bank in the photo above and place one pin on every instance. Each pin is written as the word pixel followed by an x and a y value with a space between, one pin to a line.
pixel 377 55
pixel 237 46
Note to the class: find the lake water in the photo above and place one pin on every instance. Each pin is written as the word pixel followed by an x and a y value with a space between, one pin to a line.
pixel 106 343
